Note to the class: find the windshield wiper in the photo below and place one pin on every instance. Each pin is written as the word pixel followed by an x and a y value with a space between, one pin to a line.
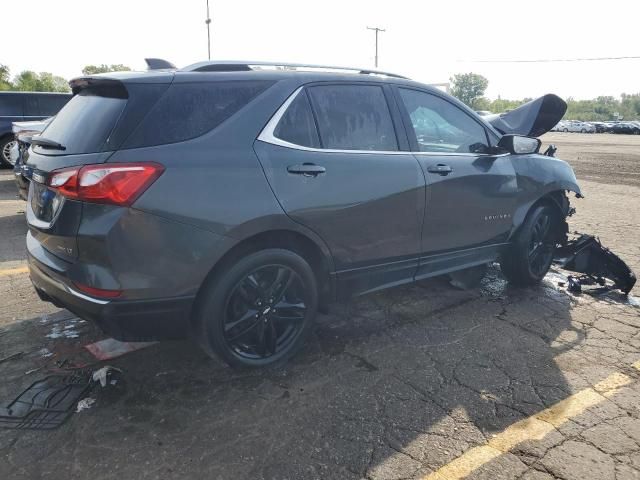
pixel 47 143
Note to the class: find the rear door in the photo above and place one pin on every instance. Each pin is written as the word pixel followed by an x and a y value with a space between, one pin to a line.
pixel 471 195
pixel 333 157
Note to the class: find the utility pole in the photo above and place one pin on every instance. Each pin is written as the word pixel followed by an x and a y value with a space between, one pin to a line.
pixel 208 22
pixel 376 29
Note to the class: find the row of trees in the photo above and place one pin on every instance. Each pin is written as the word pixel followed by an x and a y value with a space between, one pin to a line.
pixel 470 88
pixel 30 81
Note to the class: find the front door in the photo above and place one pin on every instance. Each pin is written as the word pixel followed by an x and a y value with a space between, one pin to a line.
pixel 471 195
pixel 332 156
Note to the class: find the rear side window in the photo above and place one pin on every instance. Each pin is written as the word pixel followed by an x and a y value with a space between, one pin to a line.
pixel 84 124
pixel 188 110
pixel 297 125
pixel 11 105
pixel 353 117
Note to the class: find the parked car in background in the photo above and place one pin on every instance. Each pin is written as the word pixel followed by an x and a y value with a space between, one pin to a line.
pixel 23 132
pixel 231 202
pixel 22 106
pixel 601 127
pixel 559 126
pixel 629 128
pixel 577 126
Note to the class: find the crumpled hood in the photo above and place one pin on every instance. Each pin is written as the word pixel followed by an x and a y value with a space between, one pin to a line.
pixel 531 119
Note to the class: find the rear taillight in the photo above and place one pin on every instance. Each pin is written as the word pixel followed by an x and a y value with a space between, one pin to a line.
pixel 115 183
pixel 98 292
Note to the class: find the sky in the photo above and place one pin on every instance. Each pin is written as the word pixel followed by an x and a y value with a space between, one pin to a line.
pixel 428 41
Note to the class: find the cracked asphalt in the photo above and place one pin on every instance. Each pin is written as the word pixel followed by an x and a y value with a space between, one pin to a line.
pixel 419 382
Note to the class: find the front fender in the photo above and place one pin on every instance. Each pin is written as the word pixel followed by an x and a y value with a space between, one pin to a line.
pixel 541 176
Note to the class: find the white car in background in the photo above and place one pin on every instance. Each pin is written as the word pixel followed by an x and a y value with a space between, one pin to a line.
pixel 577 126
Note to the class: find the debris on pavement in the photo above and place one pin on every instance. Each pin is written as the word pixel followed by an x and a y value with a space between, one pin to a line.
pixel 111 348
pixel 60 330
pixel 587 255
pixel 45 352
pixel 104 375
pixel 85 404
pixel 46 404
pixel 11 357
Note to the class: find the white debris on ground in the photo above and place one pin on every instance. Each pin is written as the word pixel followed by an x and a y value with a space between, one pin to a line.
pixel 66 329
pixel 45 352
pixel 85 404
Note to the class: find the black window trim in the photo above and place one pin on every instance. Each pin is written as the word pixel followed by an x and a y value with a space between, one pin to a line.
pixel 267 135
pixel 413 141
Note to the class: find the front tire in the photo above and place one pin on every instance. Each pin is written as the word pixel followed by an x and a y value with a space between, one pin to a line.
pixel 259 311
pixel 529 257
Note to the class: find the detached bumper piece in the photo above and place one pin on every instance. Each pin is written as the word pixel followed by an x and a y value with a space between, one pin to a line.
pixel 588 256
pixel 46 404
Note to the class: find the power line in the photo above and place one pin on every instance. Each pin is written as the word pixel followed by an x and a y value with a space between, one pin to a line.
pixel 550 60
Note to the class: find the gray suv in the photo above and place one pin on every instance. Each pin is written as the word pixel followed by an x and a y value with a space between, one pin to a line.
pixel 229 202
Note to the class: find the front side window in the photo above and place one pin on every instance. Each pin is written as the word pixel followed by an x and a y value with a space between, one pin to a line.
pixel 353 117
pixel 440 126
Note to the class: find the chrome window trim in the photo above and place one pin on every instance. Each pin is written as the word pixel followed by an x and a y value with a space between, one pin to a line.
pixel 267 136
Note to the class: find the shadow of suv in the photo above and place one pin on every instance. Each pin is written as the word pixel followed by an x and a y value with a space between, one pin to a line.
pixel 230 201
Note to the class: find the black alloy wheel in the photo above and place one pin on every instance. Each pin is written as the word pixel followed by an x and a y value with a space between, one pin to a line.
pixel 258 311
pixel 265 312
pixel 541 246
pixel 529 257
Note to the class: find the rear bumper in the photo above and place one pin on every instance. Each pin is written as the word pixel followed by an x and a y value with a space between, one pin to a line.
pixel 126 320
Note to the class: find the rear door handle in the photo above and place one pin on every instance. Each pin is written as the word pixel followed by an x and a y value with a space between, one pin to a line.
pixel 440 169
pixel 306 169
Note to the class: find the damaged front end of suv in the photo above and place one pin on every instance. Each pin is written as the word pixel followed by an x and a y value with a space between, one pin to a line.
pixel 578 252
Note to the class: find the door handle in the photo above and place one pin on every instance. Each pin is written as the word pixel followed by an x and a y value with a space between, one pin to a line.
pixel 306 169
pixel 440 169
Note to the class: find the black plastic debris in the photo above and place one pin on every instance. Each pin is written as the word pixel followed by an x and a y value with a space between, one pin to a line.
pixel 47 403
pixel 588 256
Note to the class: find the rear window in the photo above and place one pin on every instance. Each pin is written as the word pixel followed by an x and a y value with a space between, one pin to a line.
pixel 188 110
pixel 84 124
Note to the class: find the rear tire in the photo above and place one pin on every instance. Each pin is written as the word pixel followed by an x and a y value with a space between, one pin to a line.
pixel 529 257
pixel 5 147
pixel 259 311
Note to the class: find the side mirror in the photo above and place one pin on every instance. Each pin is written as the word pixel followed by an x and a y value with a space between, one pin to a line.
pixel 519 145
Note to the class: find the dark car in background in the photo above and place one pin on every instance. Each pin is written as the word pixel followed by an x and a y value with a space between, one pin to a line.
pixel 23 106
pixel 629 128
pixel 229 202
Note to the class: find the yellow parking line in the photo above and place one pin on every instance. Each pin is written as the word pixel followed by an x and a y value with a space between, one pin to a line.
pixel 535 427
pixel 14 271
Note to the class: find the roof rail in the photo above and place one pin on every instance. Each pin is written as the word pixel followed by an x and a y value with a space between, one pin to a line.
pixel 245 66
